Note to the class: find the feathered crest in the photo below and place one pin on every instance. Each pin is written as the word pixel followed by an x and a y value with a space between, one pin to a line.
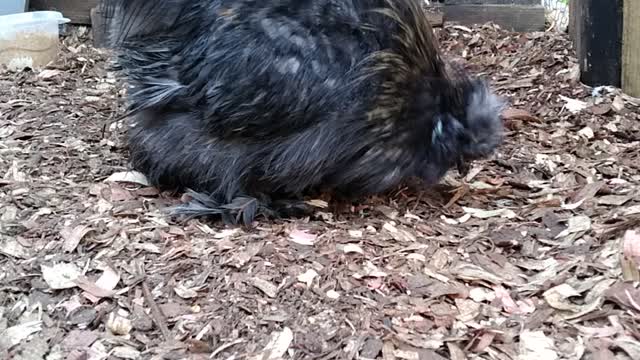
pixel 415 42
pixel 413 59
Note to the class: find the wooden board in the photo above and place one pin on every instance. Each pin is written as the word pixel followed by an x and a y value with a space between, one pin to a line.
pixel 572 20
pixel 490 2
pixel 78 11
pixel 631 48
pixel 520 18
pixel 576 22
pixel 599 41
pixel 435 18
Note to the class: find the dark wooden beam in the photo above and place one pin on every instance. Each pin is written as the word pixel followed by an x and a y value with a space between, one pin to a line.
pixel 598 38
pixel 78 11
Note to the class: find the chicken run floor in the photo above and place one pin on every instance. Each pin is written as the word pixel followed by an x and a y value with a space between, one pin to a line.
pixel 532 256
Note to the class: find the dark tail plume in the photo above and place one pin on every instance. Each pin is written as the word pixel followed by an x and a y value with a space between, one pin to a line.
pixel 135 18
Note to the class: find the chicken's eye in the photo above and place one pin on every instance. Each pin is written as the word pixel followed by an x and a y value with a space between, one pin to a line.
pixel 436 133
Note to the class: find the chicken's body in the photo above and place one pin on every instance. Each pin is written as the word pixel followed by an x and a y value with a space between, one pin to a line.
pixel 243 100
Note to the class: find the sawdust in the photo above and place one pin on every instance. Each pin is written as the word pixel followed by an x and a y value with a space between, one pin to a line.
pixel 28 49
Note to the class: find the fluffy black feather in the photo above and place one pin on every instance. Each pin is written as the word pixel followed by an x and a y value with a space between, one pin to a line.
pixel 250 104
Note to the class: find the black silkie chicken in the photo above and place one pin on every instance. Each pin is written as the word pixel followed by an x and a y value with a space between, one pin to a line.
pixel 249 105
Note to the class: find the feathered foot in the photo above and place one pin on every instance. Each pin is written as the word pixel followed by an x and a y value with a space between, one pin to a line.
pixel 242 209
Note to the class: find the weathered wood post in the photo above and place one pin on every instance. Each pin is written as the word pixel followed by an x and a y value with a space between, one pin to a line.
pixel 631 48
pixel 573 13
pixel 100 21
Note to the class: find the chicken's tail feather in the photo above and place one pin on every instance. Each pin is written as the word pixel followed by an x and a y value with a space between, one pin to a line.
pixel 129 19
